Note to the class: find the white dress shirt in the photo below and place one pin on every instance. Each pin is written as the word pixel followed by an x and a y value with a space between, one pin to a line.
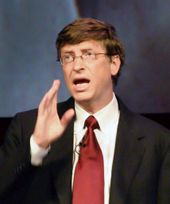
pixel 107 118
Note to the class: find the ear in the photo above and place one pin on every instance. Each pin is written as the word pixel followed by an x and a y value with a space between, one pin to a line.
pixel 115 64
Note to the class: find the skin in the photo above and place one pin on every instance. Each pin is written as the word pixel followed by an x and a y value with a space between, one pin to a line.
pixel 90 84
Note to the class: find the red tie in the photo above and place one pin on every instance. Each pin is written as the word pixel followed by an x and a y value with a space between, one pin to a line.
pixel 88 186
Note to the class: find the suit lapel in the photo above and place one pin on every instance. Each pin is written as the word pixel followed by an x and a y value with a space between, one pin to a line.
pixel 129 151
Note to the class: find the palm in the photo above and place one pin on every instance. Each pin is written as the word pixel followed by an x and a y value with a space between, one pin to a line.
pixel 49 127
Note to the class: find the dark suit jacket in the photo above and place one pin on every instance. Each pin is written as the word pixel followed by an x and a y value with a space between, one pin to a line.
pixel 140 173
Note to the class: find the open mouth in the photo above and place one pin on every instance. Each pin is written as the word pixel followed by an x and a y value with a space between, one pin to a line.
pixel 81 84
pixel 81 81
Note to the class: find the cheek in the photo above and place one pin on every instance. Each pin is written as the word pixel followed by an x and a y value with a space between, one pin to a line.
pixel 101 80
pixel 103 73
pixel 67 76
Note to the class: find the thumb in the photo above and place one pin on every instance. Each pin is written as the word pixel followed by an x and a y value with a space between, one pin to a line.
pixel 66 118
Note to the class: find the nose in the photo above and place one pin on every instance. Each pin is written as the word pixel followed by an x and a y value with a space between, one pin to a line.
pixel 78 63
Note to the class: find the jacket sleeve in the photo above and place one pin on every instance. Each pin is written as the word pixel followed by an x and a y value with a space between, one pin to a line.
pixel 164 178
pixel 15 166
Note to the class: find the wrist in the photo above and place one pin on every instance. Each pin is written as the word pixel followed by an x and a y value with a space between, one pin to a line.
pixel 44 144
pixel 37 152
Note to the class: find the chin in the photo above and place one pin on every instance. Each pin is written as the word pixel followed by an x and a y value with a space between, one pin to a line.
pixel 82 97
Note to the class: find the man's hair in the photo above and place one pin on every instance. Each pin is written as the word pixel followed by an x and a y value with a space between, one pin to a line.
pixel 84 29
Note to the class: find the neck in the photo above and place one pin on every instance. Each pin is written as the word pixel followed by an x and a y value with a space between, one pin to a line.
pixel 94 106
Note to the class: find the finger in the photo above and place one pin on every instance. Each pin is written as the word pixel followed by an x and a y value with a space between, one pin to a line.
pixel 43 103
pixel 50 96
pixel 52 105
pixel 52 93
pixel 66 118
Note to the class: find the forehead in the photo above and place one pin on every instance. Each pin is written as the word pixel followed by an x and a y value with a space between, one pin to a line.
pixel 85 45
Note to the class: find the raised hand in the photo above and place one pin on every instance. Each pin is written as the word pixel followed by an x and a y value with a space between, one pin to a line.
pixel 49 127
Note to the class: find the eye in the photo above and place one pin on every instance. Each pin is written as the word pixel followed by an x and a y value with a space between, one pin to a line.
pixel 67 58
pixel 88 53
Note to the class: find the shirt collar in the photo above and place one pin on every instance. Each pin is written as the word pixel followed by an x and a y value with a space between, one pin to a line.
pixel 108 113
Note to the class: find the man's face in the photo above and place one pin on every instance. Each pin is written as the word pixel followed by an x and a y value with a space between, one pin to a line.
pixel 88 78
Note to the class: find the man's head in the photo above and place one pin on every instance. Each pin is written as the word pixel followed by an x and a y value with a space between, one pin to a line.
pixel 91 56
pixel 85 29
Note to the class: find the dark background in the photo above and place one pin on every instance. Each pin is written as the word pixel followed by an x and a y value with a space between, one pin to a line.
pixel 144 28
pixel 28 30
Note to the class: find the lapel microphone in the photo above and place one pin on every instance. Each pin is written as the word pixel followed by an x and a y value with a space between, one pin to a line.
pixel 83 143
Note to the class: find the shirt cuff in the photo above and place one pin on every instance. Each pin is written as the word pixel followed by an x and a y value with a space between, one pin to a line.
pixel 37 152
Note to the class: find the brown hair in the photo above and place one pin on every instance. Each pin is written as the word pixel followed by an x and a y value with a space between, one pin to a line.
pixel 84 29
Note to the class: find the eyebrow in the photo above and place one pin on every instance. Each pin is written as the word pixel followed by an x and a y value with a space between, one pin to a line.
pixel 68 52
pixel 82 50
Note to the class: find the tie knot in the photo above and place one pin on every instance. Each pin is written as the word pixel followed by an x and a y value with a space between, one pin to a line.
pixel 91 122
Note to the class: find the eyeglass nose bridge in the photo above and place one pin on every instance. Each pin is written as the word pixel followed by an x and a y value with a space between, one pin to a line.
pixel 76 57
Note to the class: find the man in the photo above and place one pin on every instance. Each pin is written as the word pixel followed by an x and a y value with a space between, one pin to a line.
pixel 43 147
